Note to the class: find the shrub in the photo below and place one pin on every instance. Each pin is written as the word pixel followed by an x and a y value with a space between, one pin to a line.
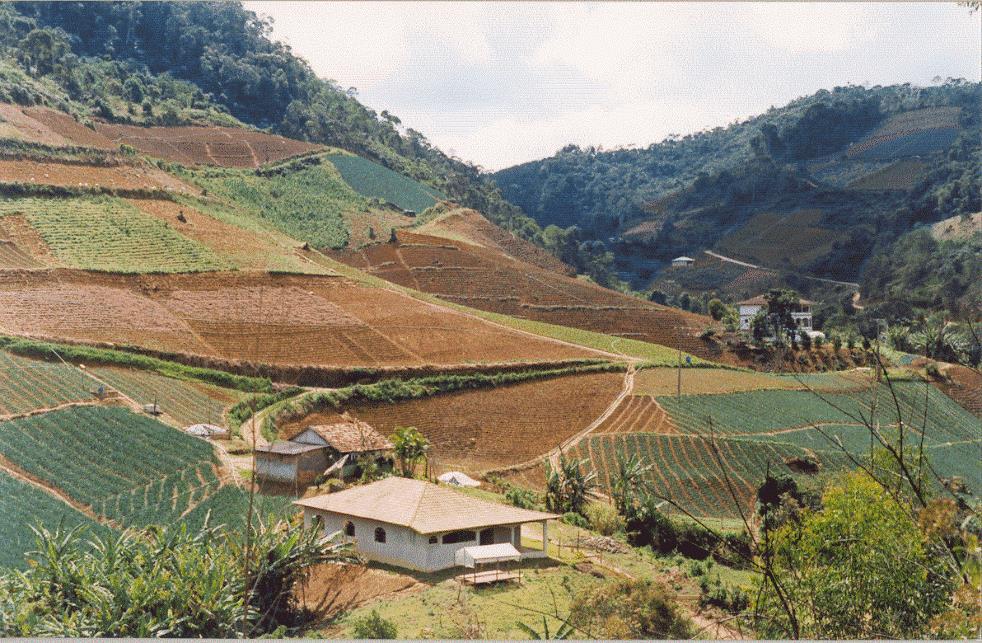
pixel 522 498
pixel 629 609
pixel 575 519
pixel 837 342
pixel 603 518
pixel 373 626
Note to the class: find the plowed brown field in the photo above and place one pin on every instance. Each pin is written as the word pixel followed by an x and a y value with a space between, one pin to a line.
pixel 274 319
pixel 122 177
pixel 638 414
pixel 484 429
pixel 224 146
pixel 485 279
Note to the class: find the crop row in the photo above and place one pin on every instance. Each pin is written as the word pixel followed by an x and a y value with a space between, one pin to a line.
pixel 186 402
pixel 99 455
pixel 104 233
pixel 28 384
pixel 376 181
pixel 774 410
pixel 24 506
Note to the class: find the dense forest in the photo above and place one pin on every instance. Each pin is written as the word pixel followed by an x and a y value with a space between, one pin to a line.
pixel 173 63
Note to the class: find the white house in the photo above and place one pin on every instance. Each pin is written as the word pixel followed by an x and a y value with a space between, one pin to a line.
pixel 417 524
pixel 802 315
pixel 682 262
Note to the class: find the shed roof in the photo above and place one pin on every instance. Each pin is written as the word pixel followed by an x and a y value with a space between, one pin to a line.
pixel 683 258
pixel 422 506
pixel 287 448
pixel 484 554
pixel 350 435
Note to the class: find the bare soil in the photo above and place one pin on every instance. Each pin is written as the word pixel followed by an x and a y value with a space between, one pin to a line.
pixel 123 177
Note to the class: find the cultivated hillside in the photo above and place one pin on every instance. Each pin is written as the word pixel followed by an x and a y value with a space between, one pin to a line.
pixel 812 188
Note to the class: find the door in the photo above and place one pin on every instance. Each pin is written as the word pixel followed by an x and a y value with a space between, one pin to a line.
pixel 487 537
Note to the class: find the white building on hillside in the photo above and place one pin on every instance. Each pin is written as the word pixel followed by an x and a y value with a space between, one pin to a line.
pixel 419 525
pixel 682 262
pixel 802 315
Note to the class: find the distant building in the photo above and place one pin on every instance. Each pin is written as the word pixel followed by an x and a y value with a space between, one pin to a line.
pixel 419 525
pixel 337 449
pixel 802 314
pixel 682 262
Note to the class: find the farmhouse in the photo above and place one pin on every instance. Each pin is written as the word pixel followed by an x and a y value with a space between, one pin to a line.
pixel 802 314
pixel 419 525
pixel 337 449
pixel 682 262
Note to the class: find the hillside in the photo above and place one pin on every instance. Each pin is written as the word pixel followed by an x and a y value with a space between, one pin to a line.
pixel 813 188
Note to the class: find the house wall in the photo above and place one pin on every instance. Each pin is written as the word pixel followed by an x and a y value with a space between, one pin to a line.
pixel 276 467
pixel 746 314
pixel 403 546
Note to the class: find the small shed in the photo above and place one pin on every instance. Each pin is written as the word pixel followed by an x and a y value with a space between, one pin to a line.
pixel 682 262
pixel 486 555
pixel 458 479
pixel 288 462
pixel 206 431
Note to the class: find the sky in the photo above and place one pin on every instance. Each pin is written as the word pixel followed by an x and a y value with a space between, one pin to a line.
pixel 501 83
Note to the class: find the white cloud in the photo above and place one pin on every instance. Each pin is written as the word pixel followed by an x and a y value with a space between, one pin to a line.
pixel 501 83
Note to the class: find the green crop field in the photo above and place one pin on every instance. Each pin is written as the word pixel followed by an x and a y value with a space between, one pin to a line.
pixel 186 402
pixel 129 468
pixel 308 204
pixel 24 506
pixel 376 181
pixel 28 384
pixel 105 233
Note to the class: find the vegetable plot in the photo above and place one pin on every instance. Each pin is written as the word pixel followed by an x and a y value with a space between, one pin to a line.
pixel 29 384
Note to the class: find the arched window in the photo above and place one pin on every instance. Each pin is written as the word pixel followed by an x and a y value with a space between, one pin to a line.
pixel 379 535
pixel 349 529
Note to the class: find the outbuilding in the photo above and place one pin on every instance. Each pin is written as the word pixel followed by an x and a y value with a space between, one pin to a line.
pixel 420 525
pixel 682 262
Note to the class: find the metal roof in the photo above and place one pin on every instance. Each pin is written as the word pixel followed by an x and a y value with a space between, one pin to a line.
pixel 288 448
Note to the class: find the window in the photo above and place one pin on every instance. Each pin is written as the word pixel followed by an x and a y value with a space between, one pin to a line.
pixel 349 528
pixel 379 535
pixel 465 536
pixel 434 540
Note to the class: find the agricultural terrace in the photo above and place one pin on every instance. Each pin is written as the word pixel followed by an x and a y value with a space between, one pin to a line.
pixel 710 273
pixel 73 175
pixel 12 257
pixel 23 506
pixel 914 133
pixel 772 239
pixel 274 319
pixel 307 202
pixel 700 381
pixel 487 280
pixel 221 146
pixel 477 430
pixel 464 224
pixel 686 471
pixel 186 402
pixel 901 175
pixel 379 182
pixel 47 127
pixel 109 234
pixel 244 241
pixel 28 384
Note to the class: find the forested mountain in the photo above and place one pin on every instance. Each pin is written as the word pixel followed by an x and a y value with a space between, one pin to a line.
pixel 834 178
pixel 174 63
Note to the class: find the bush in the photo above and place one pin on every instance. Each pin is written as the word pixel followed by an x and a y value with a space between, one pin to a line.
pixel 603 518
pixel 629 609
pixel 575 519
pixel 373 626
pixel 522 498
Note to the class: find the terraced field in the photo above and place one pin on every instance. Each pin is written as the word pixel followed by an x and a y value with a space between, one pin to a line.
pixel 108 234
pixel 134 176
pixel 29 384
pixel 276 319
pixel 483 429
pixel 376 181
pixel 901 175
pixel 488 280
pixel 780 240
pixel 23 506
pixel 186 402
pixel 913 133
pixel 13 258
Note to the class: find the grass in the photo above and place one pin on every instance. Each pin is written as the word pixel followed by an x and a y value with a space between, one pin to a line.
pixel 306 204
pixel 109 357
pixel 108 234
pixel 376 181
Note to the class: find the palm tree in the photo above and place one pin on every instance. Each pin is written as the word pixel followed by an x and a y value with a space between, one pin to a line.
pixel 629 481
pixel 568 487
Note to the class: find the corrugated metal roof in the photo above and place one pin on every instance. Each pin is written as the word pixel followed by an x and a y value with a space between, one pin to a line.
pixel 288 448
pixel 422 506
